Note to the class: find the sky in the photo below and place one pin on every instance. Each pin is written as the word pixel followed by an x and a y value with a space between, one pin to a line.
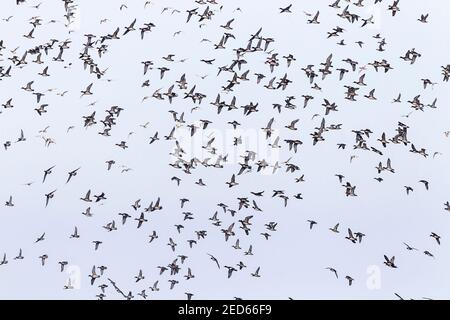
pixel 293 261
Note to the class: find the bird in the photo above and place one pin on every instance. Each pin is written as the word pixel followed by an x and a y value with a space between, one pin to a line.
pixel 408 247
pixel 408 189
pixel 333 271
pixel 155 286
pixel 9 203
pixel 72 173
pixel 230 271
pixel 335 228
pixel 390 262
pixel 141 220
pixel 256 273
pixel 18 257
pixel 286 9
pixel 425 183
pixel 311 224
pixel 75 233
pixel 350 280
pixel 87 91
pixel 351 237
pixel 140 276
pixel 49 196
pixel 47 172
pixel 215 260
pixel 436 237
pixel 423 18
pixel 41 238
pixel 43 258
pixel 93 275
pixel 62 265
pixel 189 274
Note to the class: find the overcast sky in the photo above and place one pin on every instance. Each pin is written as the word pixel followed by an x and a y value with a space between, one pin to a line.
pixel 294 259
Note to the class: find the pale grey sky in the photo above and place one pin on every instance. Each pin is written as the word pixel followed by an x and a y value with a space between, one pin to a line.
pixel 294 259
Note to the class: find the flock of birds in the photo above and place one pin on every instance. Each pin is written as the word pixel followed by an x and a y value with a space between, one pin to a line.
pixel 193 109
